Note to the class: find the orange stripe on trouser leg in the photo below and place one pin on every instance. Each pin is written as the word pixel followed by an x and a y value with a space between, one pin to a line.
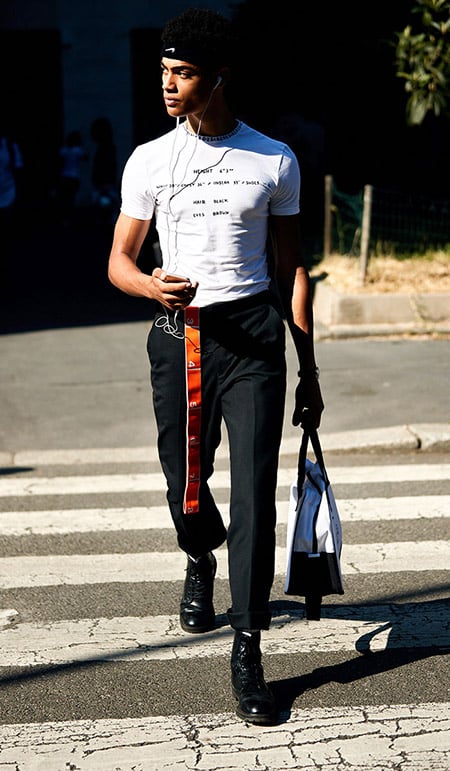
pixel 194 409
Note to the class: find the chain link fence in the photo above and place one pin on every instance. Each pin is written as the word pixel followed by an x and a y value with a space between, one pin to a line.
pixel 398 223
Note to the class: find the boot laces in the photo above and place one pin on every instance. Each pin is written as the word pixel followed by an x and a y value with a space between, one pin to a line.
pixel 198 583
pixel 249 663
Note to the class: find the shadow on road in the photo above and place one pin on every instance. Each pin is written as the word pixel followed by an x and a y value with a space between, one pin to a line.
pixel 55 276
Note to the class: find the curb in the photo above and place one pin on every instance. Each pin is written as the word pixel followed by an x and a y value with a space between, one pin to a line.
pixel 338 314
pixel 417 436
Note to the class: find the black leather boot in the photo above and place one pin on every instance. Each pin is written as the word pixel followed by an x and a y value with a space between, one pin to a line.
pixel 256 703
pixel 196 609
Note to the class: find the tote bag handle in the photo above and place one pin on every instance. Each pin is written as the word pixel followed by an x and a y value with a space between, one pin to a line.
pixel 310 434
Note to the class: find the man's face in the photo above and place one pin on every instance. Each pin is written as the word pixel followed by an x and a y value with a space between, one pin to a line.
pixel 186 88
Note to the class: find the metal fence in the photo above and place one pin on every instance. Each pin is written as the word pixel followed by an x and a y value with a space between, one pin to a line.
pixel 384 221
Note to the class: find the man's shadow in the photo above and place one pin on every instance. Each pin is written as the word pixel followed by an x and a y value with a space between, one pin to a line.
pixel 415 632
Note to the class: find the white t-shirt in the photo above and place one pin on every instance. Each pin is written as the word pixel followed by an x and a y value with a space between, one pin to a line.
pixel 211 197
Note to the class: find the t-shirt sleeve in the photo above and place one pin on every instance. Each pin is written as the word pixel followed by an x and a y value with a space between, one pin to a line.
pixel 286 199
pixel 137 200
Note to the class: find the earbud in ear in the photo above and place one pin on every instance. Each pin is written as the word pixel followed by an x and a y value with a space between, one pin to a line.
pixel 217 83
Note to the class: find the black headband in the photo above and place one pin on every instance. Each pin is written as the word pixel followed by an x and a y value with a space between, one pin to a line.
pixel 197 56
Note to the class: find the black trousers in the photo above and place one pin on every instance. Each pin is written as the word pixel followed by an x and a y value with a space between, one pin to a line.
pixel 244 384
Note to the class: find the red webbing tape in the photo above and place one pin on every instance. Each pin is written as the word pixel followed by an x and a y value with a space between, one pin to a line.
pixel 194 409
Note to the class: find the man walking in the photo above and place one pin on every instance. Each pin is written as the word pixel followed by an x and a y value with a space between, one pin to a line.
pixel 218 190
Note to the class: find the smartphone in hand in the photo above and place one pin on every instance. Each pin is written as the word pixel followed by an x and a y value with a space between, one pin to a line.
pixel 173 279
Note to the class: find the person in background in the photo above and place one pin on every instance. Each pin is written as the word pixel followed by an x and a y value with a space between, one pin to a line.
pixel 11 169
pixel 71 155
pixel 217 190
pixel 105 192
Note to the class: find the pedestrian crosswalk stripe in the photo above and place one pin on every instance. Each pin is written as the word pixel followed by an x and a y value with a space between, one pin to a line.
pixel 358 737
pixel 123 483
pixel 58 570
pixel 60 521
pixel 160 638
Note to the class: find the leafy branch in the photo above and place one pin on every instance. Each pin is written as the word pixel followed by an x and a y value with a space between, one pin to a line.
pixel 423 61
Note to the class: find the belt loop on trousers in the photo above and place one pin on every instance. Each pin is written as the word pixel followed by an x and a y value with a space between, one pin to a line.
pixel 194 408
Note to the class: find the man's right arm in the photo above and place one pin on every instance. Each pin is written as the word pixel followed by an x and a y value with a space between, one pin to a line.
pixel 123 272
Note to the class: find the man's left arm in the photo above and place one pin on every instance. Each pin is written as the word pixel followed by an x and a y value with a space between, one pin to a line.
pixel 294 286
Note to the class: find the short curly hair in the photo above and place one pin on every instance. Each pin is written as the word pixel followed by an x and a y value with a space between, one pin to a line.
pixel 200 36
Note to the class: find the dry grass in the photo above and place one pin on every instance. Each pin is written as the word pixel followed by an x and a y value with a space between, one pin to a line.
pixel 415 275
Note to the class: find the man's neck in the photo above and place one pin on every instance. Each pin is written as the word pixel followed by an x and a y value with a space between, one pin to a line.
pixel 212 126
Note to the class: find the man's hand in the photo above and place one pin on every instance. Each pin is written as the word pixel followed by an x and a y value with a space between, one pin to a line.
pixel 175 292
pixel 308 402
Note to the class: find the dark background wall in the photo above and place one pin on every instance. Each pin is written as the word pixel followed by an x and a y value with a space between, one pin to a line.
pixel 31 100
pixel 335 64
pixel 319 74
